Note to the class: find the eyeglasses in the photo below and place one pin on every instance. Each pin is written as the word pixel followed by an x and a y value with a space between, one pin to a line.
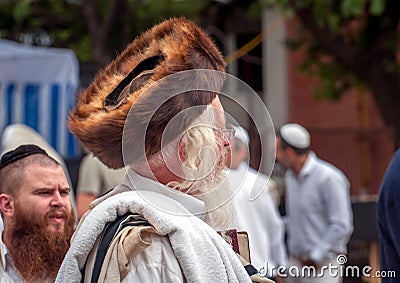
pixel 226 134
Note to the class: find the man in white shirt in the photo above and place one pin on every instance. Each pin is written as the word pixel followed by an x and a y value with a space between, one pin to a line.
pixel 257 215
pixel 318 209
pixel 152 110
pixel 38 218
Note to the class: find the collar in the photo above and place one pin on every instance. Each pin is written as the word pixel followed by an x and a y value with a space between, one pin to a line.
pixel 308 165
pixel 4 251
pixel 139 182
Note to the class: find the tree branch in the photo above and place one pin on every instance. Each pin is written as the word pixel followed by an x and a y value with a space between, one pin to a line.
pixel 113 16
pixel 92 14
pixel 368 64
pixel 332 43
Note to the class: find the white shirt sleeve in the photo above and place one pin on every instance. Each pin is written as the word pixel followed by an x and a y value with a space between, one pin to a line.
pixel 339 213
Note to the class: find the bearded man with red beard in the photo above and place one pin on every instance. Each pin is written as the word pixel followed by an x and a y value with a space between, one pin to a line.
pixel 38 220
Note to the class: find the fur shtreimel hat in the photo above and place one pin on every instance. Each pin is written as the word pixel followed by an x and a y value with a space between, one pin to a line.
pixel 133 79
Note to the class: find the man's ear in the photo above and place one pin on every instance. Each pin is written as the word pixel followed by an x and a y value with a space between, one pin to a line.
pixel 7 204
pixel 181 148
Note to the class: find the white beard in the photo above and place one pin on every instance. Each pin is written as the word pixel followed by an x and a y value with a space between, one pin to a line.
pixel 214 191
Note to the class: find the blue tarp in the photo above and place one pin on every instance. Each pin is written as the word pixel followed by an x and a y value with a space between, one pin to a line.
pixel 38 88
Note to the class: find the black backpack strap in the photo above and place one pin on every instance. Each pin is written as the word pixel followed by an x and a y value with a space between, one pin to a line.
pixel 112 229
pixel 250 269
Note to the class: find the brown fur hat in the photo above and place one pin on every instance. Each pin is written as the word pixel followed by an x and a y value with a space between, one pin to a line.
pixel 170 47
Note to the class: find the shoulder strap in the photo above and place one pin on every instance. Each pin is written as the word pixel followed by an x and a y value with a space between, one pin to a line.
pixel 112 229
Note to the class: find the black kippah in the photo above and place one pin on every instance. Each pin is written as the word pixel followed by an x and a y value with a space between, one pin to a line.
pixel 20 152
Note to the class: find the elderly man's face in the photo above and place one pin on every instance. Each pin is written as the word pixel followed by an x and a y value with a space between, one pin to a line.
pixel 45 194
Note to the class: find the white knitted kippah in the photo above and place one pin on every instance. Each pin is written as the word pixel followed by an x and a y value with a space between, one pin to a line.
pixel 295 135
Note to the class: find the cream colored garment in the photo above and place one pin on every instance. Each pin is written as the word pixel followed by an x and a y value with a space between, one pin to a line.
pixel 123 248
pixel 202 254
pixel 256 277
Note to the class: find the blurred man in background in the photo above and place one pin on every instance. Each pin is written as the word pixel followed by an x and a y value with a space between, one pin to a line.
pixel 259 217
pixel 318 208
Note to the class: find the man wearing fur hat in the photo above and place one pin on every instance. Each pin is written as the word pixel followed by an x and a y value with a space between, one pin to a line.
pixel 156 108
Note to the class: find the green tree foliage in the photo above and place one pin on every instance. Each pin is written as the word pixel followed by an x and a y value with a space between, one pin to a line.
pixel 95 29
pixel 49 23
pixel 350 43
